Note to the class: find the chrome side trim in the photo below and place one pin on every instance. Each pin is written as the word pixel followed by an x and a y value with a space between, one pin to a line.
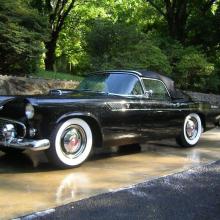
pixel 151 109
pixel 16 122
pixel 34 145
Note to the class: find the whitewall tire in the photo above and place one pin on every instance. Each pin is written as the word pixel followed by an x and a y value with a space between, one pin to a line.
pixel 71 143
pixel 191 131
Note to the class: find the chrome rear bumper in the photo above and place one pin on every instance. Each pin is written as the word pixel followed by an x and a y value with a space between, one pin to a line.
pixel 34 145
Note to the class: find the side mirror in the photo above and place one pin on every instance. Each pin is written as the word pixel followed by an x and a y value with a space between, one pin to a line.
pixel 149 93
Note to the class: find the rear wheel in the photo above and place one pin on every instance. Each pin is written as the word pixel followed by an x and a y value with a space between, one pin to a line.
pixel 71 143
pixel 191 131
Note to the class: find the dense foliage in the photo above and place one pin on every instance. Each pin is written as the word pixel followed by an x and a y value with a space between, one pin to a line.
pixel 117 46
pixel 22 31
pixel 179 38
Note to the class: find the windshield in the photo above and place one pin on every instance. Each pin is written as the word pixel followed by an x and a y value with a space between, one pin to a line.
pixel 117 83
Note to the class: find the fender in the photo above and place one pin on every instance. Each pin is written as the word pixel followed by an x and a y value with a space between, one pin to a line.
pixel 5 99
pixel 74 114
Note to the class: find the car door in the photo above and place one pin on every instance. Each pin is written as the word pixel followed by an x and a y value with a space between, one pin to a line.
pixel 121 120
pixel 161 117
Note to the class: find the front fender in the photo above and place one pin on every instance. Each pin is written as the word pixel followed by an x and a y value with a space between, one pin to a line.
pixel 5 99
pixel 77 114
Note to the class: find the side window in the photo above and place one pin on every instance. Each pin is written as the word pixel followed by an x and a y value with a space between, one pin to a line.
pixel 123 84
pixel 137 90
pixel 156 89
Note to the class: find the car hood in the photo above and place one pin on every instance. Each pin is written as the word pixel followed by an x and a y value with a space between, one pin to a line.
pixel 57 96
pixel 8 104
pixel 74 96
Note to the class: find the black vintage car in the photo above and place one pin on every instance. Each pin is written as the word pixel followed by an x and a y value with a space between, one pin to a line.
pixel 107 109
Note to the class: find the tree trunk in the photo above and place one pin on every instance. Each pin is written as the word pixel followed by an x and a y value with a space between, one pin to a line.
pixel 50 54
pixel 176 16
pixel 177 28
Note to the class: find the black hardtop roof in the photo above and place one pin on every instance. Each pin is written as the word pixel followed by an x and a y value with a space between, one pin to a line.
pixel 148 74
pixel 143 73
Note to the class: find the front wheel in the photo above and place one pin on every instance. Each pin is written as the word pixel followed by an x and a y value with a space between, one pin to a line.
pixel 71 143
pixel 191 131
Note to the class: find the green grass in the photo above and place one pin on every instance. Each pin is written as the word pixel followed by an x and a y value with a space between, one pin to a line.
pixel 56 75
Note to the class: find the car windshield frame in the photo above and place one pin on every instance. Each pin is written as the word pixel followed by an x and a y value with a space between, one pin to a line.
pixel 117 83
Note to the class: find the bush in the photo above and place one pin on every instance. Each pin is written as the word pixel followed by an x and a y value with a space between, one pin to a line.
pixel 213 83
pixel 194 70
pixel 191 69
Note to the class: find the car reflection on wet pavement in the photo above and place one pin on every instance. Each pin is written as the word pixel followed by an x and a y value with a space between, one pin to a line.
pixel 29 184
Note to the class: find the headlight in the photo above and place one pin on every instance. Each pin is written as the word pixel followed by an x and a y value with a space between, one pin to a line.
pixel 29 111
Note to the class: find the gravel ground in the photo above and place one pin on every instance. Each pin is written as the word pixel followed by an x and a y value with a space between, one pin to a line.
pixel 192 194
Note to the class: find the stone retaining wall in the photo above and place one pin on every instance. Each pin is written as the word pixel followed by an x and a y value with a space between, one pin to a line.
pixel 211 98
pixel 10 85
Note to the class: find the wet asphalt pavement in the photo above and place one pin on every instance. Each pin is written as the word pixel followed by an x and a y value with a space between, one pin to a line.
pixel 193 194
pixel 29 184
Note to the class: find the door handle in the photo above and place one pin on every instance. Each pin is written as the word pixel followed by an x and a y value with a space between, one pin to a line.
pixel 177 105
pixel 159 111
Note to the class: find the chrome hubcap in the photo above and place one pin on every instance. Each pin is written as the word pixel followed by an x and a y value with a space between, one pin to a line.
pixel 73 141
pixel 192 128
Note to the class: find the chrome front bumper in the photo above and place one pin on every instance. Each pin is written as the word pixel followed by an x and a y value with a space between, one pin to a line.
pixel 34 145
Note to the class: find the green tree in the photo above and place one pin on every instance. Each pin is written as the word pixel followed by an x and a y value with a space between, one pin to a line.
pixel 122 46
pixel 56 12
pixel 70 53
pixel 21 32
pixel 176 13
